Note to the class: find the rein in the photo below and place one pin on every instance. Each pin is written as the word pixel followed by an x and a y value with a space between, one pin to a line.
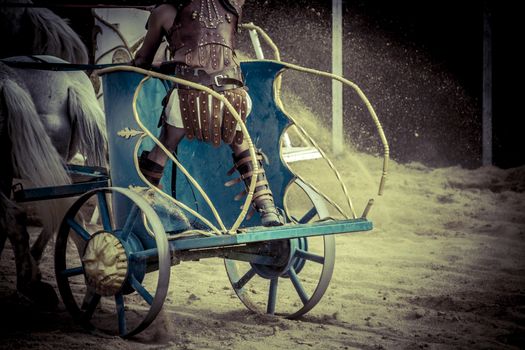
pixel 78 5
pixel 56 66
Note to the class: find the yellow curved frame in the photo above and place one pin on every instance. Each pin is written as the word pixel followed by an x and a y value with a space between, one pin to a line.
pixel 246 205
pixel 277 89
pixel 251 188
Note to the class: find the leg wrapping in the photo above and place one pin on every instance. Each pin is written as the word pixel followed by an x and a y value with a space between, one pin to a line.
pixel 152 171
pixel 262 198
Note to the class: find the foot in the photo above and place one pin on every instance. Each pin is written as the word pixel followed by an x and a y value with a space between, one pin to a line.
pixel 263 202
pixel 270 216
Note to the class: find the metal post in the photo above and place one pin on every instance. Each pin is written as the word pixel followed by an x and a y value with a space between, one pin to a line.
pixel 337 68
pixel 487 86
pixel 256 44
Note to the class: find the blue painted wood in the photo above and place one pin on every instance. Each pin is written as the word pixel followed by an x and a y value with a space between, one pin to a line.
pixel 87 170
pixel 119 88
pixel 79 229
pixel 298 286
pixel 261 234
pixel 104 211
pixel 272 296
pixel 130 222
pixel 91 307
pixel 209 165
pixel 53 192
pixel 244 279
pixel 75 271
pixel 92 177
pixel 141 290
pixel 121 313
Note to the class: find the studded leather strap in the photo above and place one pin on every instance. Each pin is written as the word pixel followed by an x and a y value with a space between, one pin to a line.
pixel 228 122
pixel 243 112
pixel 204 111
pixel 215 122
pixel 185 110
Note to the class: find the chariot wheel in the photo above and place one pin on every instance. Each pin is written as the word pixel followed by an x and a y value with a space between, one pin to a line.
pixel 298 283
pixel 106 271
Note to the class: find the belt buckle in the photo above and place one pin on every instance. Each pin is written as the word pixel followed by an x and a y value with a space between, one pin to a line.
pixel 216 81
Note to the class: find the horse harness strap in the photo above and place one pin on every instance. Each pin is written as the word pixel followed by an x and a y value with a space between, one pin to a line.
pixel 56 66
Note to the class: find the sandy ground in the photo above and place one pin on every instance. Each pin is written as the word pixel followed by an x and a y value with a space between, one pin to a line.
pixel 442 268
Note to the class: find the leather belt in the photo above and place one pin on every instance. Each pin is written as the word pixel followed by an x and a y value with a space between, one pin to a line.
pixel 226 79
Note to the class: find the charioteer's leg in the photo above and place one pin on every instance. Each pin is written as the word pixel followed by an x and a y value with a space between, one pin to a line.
pixel 262 198
pixel 152 162
pixel 207 111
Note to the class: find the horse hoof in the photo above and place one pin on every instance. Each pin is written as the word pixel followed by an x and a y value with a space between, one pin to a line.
pixel 41 295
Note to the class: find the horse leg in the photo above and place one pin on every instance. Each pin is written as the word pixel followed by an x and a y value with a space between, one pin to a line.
pixel 3 228
pixel 27 272
pixel 6 179
pixel 2 239
pixel 51 215
pixel 37 249
pixel 14 220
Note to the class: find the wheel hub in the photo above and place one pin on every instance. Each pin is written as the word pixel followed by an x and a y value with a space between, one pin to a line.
pixel 282 250
pixel 105 263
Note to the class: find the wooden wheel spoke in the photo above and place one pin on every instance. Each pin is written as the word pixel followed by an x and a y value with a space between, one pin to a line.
pixel 90 307
pixel 300 253
pixel 310 214
pixel 298 286
pixel 73 234
pixel 130 222
pixel 139 288
pixel 104 211
pixel 121 313
pixel 144 256
pixel 272 296
pixel 300 260
pixel 74 271
pixel 79 230
pixel 244 279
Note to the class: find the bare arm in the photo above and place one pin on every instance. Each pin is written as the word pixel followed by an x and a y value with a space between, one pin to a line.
pixel 159 22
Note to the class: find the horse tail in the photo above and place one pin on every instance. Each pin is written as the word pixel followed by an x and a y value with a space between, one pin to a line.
pixel 88 120
pixel 53 36
pixel 32 153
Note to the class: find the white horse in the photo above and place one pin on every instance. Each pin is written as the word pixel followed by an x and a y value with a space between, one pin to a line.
pixel 46 117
